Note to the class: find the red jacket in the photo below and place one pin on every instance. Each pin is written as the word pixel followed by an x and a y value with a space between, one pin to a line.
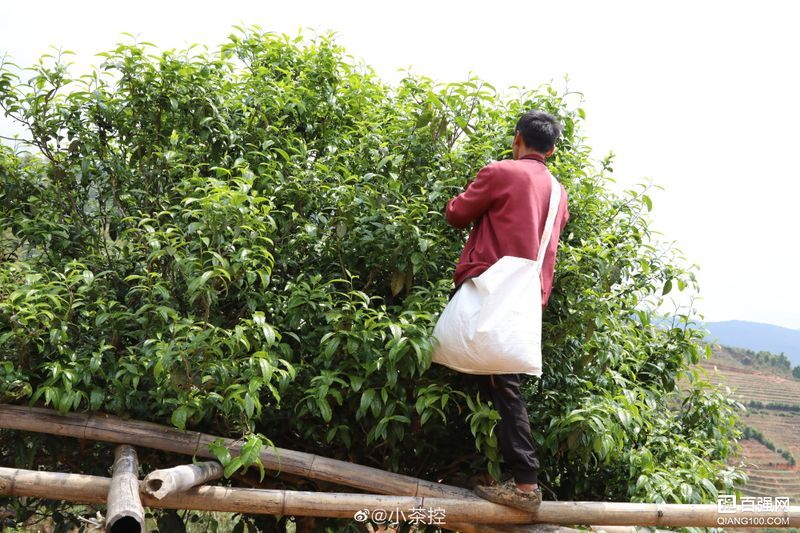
pixel 508 201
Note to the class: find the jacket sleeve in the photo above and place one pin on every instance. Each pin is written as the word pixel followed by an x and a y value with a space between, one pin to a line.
pixel 473 202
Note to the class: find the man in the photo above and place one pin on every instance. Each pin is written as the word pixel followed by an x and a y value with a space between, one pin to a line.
pixel 508 203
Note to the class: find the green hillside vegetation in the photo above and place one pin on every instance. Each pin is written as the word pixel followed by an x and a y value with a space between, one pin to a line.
pixel 777 364
pixel 250 242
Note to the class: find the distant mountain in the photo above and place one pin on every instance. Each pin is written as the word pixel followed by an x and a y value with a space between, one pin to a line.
pixel 757 337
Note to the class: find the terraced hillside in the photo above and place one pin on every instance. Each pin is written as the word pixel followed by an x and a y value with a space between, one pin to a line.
pixel 758 454
pixel 747 385
pixel 769 470
pixel 770 474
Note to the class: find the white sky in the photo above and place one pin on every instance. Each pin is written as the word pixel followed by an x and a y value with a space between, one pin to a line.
pixel 701 97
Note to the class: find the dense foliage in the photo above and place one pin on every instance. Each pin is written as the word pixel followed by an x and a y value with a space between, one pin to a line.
pixel 250 242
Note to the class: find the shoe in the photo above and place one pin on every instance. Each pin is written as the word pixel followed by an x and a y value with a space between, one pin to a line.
pixel 507 493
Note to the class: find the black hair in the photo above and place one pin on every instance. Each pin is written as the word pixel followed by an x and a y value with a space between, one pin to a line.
pixel 539 130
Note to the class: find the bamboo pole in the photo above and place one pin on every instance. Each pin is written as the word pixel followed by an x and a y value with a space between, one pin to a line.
pixel 124 508
pixel 92 489
pixel 107 428
pixel 102 427
pixel 160 483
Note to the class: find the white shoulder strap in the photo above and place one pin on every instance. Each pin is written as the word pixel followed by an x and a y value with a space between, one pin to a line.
pixel 555 200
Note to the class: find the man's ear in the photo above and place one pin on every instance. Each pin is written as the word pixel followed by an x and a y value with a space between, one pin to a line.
pixel 550 151
pixel 517 139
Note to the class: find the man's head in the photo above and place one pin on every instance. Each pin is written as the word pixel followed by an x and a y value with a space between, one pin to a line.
pixel 536 132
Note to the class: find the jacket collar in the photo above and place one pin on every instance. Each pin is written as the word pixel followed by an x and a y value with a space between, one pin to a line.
pixel 536 157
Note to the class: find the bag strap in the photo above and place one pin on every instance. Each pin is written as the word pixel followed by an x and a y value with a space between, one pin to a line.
pixel 555 200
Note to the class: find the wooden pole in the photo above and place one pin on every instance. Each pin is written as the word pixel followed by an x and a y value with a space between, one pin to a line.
pixel 124 513
pixel 160 483
pixel 92 489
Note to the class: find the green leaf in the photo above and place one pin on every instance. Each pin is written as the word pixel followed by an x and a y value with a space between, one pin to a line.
pixel 249 405
pixel 179 417
pixel 234 465
pixel 219 450
pixel 356 382
pixel 324 409
pixel 423 119
pixel 667 287
pixel 367 397
pixel 330 347
pixel 96 399
pixel 709 486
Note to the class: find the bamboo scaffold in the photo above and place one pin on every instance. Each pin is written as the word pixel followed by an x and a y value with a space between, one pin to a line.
pixel 461 506
pixel 107 428
pixel 93 489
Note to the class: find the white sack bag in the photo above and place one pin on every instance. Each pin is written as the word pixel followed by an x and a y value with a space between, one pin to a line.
pixel 493 324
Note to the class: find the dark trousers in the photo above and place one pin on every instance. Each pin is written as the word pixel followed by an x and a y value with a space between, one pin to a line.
pixel 514 428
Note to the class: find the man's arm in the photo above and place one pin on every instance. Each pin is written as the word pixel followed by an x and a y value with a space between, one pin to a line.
pixel 473 202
